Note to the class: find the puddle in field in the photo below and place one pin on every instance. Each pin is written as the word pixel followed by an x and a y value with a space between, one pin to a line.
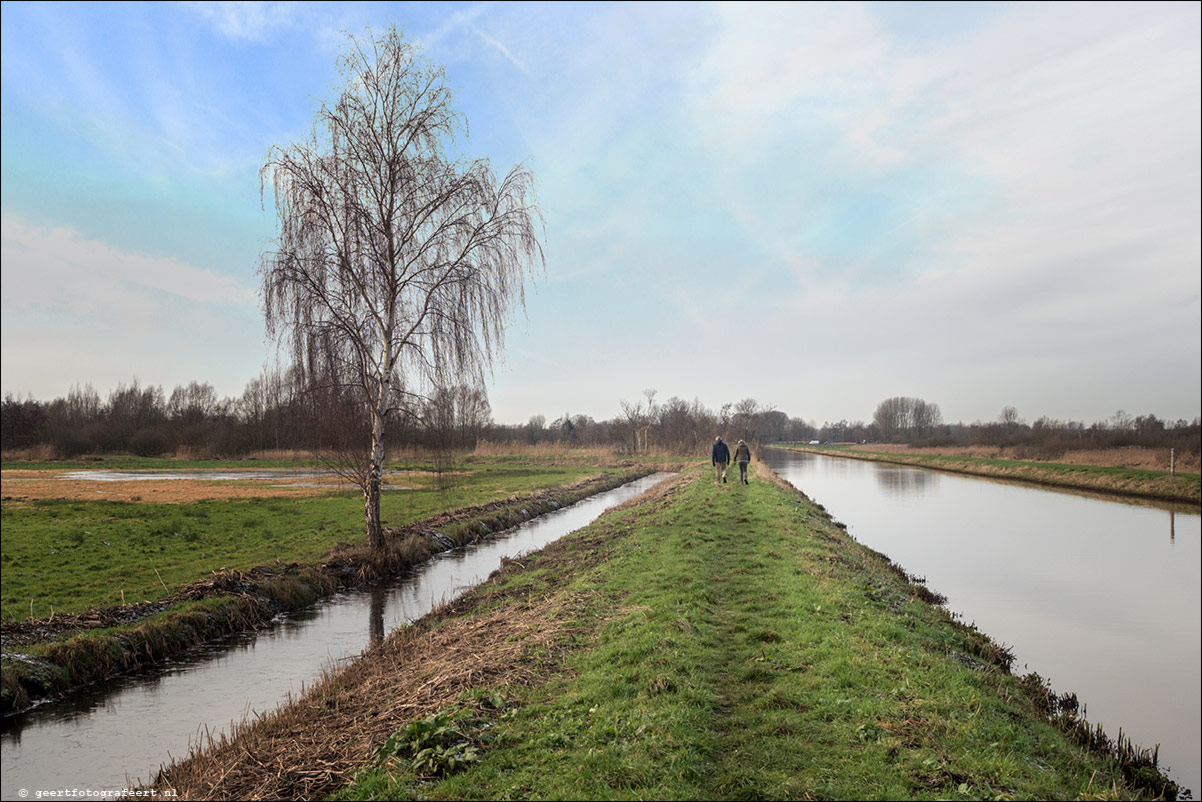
pixel 288 475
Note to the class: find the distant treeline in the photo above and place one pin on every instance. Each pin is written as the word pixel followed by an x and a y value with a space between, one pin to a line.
pixel 276 413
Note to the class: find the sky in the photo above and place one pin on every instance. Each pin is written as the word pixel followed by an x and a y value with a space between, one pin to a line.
pixel 818 206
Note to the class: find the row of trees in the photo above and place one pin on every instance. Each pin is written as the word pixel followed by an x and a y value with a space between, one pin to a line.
pixel 917 422
pixel 675 426
pixel 278 411
pixel 281 410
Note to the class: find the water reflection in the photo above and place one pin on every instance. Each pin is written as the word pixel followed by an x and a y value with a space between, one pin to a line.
pixel 903 482
pixel 101 741
pixel 1087 591
pixel 379 600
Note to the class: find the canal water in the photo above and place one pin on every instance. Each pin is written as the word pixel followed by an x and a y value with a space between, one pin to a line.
pixel 101 742
pixel 1098 595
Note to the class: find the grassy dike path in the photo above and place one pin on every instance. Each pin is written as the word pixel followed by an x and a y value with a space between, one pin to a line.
pixel 1185 488
pixel 700 642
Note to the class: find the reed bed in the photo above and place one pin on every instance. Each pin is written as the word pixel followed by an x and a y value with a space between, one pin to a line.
pixel 543 450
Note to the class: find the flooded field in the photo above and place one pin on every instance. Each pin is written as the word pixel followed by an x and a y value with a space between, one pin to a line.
pixel 181 486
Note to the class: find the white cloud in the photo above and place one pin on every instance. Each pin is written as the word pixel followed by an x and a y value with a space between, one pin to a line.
pixel 57 269
pixel 80 310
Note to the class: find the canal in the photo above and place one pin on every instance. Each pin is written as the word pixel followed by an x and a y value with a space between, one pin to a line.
pixel 1097 595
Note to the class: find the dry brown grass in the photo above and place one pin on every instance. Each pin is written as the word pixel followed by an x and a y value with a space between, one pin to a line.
pixel 1152 459
pixel 40 453
pixel 313 746
pixel 1140 457
pixel 544 450
pixel 491 637
pixel 21 487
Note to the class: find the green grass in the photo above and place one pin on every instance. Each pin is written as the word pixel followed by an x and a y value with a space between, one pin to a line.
pixel 739 646
pixel 67 555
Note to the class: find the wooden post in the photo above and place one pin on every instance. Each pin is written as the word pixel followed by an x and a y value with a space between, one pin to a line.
pixel 1172 462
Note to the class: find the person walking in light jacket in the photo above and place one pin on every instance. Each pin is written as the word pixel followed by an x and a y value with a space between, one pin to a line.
pixel 743 457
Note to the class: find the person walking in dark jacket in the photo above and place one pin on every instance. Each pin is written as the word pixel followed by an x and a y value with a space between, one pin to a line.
pixel 720 457
pixel 743 457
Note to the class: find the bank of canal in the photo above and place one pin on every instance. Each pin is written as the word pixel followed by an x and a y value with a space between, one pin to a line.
pixel 703 641
pixel 1099 596
pixel 1158 486
pixel 104 740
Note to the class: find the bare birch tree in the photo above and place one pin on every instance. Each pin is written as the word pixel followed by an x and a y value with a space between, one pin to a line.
pixel 396 265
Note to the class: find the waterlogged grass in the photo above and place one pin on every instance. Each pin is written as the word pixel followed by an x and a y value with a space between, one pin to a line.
pixel 129 462
pixel 736 644
pixel 66 555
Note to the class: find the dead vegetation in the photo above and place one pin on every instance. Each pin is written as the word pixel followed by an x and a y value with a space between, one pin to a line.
pixel 261 593
pixel 489 638
pixel 24 486
pixel 303 752
pixel 547 449
pixel 1139 457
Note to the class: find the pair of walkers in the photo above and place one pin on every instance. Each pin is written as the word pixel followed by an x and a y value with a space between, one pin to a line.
pixel 720 457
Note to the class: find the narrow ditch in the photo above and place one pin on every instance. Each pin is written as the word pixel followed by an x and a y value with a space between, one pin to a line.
pixel 105 739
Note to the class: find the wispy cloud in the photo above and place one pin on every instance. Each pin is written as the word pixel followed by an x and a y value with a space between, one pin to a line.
pixel 975 204
pixel 253 21
pixel 492 41
pixel 57 270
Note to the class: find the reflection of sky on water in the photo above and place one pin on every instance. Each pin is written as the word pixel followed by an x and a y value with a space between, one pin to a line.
pixel 1099 596
pixel 96 740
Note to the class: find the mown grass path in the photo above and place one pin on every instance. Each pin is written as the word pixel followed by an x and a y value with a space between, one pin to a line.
pixel 703 642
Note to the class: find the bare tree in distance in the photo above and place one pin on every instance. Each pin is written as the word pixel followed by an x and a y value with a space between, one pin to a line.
pixel 905 418
pixel 396 265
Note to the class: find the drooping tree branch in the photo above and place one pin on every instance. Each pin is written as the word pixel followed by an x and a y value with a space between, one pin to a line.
pixel 396 267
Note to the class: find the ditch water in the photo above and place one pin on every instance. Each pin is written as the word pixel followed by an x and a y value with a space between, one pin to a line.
pixel 1100 596
pixel 106 740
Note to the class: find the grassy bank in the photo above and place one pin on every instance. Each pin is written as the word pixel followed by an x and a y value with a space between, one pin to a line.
pixel 51 655
pixel 1185 488
pixel 702 642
